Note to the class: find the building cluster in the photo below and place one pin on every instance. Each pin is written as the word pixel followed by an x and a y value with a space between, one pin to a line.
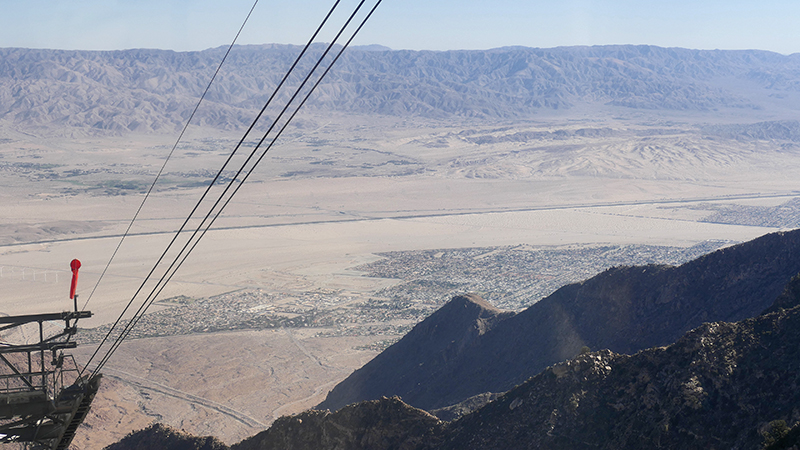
pixel 509 277
pixel 786 215
pixel 336 312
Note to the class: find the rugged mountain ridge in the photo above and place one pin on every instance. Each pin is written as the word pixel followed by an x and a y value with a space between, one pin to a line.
pixel 154 90
pixel 719 386
pixel 722 385
pixel 624 309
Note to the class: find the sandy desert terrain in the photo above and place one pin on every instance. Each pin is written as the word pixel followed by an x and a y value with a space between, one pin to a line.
pixel 330 198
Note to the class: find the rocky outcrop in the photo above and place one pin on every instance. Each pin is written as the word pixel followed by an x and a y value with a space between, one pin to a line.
pixel 720 386
pixel 384 424
pixel 161 437
pixel 624 309
pixel 461 409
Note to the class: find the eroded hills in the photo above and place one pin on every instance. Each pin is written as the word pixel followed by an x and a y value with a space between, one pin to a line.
pixel 142 90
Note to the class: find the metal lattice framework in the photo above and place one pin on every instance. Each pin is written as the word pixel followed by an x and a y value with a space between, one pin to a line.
pixel 42 397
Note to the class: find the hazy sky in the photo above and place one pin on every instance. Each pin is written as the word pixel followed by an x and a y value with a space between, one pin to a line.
pixel 405 24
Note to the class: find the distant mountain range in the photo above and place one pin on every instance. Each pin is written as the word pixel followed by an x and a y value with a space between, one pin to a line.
pixel 468 347
pixel 155 90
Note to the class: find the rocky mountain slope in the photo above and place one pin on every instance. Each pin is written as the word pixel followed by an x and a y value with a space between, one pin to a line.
pixel 430 348
pixel 373 425
pixel 159 436
pixel 624 309
pixel 154 91
pixel 719 386
pixel 722 385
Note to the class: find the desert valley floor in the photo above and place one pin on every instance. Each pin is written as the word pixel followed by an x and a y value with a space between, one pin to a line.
pixel 344 218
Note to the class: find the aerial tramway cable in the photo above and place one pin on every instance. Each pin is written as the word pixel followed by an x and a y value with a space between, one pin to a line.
pixel 210 186
pixel 173 267
pixel 208 226
pixel 205 224
pixel 169 155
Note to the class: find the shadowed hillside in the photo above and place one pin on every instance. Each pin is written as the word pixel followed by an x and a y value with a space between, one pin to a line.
pixel 160 437
pixel 624 309
pixel 375 425
pixel 427 351
pixel 718 387
pixel 722 385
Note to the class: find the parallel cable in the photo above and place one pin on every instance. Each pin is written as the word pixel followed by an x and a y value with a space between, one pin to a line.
pixel 208 188
pixel 169 155
pixel 259 160
pixel 168 276
pixel 219 173
pixel 213 182
pixel 170 272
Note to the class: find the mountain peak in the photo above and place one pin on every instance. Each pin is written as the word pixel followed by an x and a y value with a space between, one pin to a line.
pixel 472 301
pixel 429 348
pixel 467 312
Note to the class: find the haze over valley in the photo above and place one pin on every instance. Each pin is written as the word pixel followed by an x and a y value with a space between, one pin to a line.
pixel 409 178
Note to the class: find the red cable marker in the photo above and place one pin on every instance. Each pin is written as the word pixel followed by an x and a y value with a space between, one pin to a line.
pixel 74 265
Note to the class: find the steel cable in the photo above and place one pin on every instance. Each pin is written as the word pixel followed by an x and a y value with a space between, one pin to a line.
pixel 169 155
pixel 209 187
pixel 195 238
